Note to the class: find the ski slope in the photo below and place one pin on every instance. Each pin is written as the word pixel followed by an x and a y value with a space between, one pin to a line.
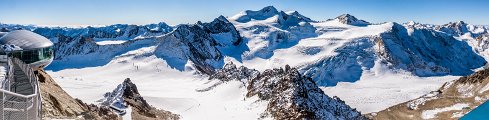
pixel 161 86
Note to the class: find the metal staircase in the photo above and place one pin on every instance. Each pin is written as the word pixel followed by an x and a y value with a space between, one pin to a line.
pixel 19 94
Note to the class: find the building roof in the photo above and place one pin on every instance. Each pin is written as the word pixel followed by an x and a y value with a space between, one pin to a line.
pixel 26 40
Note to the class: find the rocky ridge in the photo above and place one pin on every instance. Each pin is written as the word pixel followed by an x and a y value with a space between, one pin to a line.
pixel 125 95
pixel 351 20
pixel 289 94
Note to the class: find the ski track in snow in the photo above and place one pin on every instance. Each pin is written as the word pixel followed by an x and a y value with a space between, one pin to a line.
pixel 166 88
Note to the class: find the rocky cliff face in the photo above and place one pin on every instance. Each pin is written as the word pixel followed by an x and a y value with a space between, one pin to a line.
pixel 221 25
pixel 197 43
pixel 347 66
pixel 426 52
pixel 231 72
pixel 454 28
pixel 55 101
pixel 57 104
pixel 289 94
pixel 199 47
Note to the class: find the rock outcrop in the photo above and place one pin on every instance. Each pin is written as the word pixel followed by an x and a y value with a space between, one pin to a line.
pixel 221 25
pixel 351 20
pixel 126 94
pixel 57 104
pixel 196 43
pixel 141 109
pixel 289 94
pixel 454 28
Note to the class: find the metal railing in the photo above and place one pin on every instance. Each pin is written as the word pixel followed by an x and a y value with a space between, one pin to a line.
pixel 16 106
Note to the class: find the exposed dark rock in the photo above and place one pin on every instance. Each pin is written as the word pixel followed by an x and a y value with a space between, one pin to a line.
pixel 97 112
pixel 222 25
pixel 289 94
pixel 231 72
pixel 4 30
pixel 454 28
pixel 477 77
pixel 200 47
pixel 134 99
pixel 127 93
pixel 293 96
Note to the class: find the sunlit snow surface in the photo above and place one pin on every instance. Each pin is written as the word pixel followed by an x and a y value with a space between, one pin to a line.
pixel 162 87
pixel 174 88
pixel 108 42
pixel 380 88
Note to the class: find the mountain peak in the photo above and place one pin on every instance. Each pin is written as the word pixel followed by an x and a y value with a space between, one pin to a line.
pixel 346 16
pixel 298 15
pixel 261 14
pixel 222 18
pixel 412 22
pixel 269 9
pixel 351 20
pixel 460 22
pixel 280 19
pixel 456 24
pixel 293 13
pixel 454 28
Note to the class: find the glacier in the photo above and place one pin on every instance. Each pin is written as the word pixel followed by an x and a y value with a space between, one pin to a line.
pixel 358 61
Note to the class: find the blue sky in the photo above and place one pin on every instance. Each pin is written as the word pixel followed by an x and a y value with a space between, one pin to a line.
pixel 103 12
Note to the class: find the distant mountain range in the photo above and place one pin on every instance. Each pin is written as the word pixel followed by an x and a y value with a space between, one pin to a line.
pixel 320 53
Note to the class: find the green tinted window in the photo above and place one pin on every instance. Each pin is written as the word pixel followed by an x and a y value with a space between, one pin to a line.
pixel 30 56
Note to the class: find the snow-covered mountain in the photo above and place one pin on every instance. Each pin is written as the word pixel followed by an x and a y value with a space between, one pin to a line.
pixel 81 41
pixel 345 53
pixel 340 54
pixel 460 28
pixel 427 52
pixel 190 42
pixel 177 45
pixel 350 20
